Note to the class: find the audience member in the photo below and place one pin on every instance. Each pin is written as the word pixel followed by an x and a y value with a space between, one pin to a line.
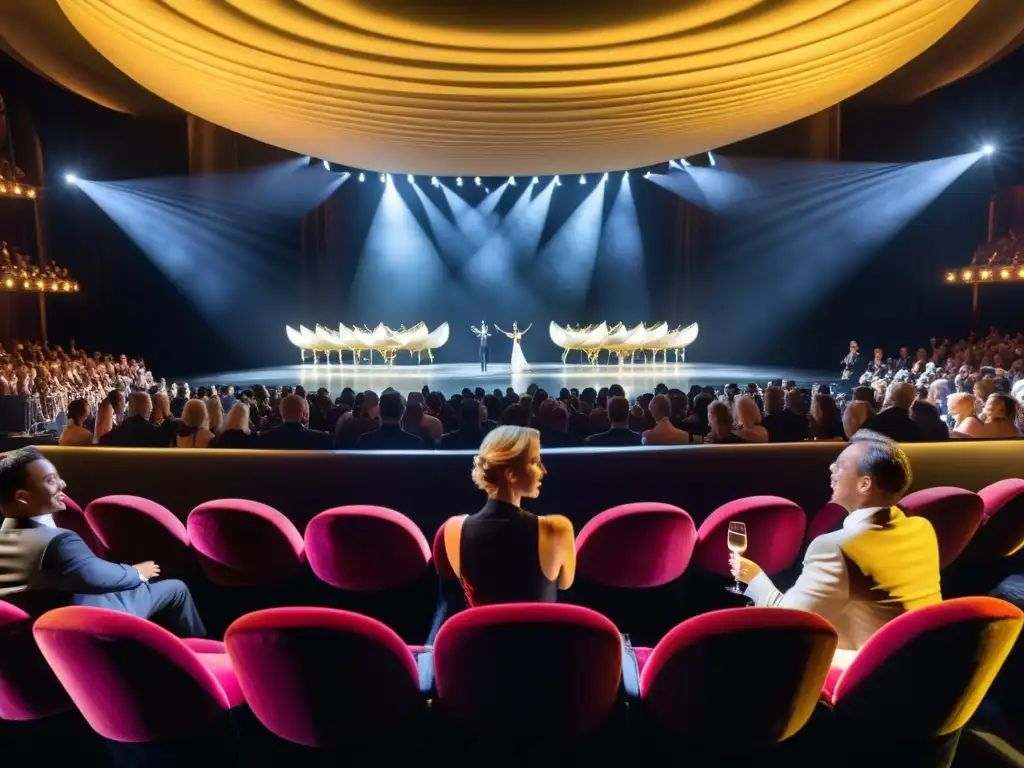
pixel 619 435
pixel 503 554
pixel 291 434
pixel 193 430
pixel 104 421
pixel 348 431
pixel 855 416
pixel 720 425
pixel 135 431
pixel 42 566
pixel 927 417
pixel 470 433
pixel 235 431
pixel 390 436
pixel 826 424
pixel 782 424
pixel 894 421
pixel 216 413
pixel 878 566
pixel 748 420
pixel 75 434
pixel 663 432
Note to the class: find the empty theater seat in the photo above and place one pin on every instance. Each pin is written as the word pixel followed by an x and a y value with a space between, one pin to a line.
pixel 640 545
pixel 323 677
pixel 692 682
pixel 133 530
pixel 526 675
pixel 955 514
pixel 1001 534
pixel 28 688
pixel 775 533
pixel 242 543
pixel 132 680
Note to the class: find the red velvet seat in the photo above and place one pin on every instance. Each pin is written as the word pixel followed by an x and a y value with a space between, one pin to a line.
pixel 365 548
pixel 521 673
pixel 132 680
pixel 73 518
pixel 28 688
pixel 955 513
pixel 639 545
pixel 442 565
pixel 924 673
pixel 775 533
pixel 241 543
pixel 827 519
pixel 322 677
pixel 1001 533
pixel 693 680
pixel 133 530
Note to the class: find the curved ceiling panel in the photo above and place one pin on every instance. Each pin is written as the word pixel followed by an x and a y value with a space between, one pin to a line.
pixel 40 37
pixel 522 87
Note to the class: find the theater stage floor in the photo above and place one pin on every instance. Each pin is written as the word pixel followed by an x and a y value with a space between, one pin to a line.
pixel 452 377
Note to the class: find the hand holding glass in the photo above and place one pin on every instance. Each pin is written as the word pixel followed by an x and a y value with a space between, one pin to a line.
pixel 738 544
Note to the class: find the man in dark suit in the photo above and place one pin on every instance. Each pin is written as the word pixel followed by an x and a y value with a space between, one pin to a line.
pixel 894 422
pixel 620 434
pixel 471 430
pixel 390 436
pixel 135 431
pixel 43 566
pixel 782 424
pixel 291 434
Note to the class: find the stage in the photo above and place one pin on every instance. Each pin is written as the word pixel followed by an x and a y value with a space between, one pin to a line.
pixel 452 377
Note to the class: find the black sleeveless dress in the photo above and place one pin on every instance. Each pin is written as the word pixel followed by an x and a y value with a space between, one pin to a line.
pixel 500 558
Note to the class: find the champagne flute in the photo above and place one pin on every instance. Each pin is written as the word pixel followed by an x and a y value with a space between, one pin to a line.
pixel 737 543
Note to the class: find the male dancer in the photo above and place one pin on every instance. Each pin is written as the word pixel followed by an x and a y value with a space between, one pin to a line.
pixel 483 334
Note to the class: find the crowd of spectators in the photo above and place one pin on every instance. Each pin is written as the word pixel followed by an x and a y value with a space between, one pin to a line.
pixel 1005 251
pixel 51 378
pixel 973 388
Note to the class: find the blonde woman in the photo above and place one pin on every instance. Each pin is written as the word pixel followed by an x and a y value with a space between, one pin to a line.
pixel 194 431
pixel 75 434
pixel 503 554
pixel 235 432
pixel 748 421
pixel 215 412
pixel 962 407
pixel 104 421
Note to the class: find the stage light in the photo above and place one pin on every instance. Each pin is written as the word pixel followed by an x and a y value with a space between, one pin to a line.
pixel 477 181
pixel 583 179
pixel 684 162
pixel 647 175
pixel 967 275
pixel 327 166
pixel 711 159
pixel 1004 274
pixel 558 182
pixel 383 178
pixel 31 194
pixel 362 177
pixel 487 190
pixel 411 179
pixel 434 182
pixel 8 283
pixel 987 149
pixel 535 181
pixel 1020 273
pixel 511 181
pixel 604 178
pixel 458 181
pixel 951 277
pixel 625 176
pixel 985 274
pixel 17 189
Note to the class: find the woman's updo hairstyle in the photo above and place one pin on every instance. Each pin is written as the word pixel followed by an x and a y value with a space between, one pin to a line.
pixel 502 448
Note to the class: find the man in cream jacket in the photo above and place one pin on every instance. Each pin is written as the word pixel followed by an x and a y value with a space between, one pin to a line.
pixel 879 565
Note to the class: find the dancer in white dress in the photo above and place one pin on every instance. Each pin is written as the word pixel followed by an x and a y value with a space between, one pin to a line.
pixel 519 363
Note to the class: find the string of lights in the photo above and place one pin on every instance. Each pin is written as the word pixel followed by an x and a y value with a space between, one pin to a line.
pixel 969 275
pixel 17 274
pixel 16 189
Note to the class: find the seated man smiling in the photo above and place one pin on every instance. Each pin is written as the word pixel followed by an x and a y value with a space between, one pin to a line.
pixel 878 566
